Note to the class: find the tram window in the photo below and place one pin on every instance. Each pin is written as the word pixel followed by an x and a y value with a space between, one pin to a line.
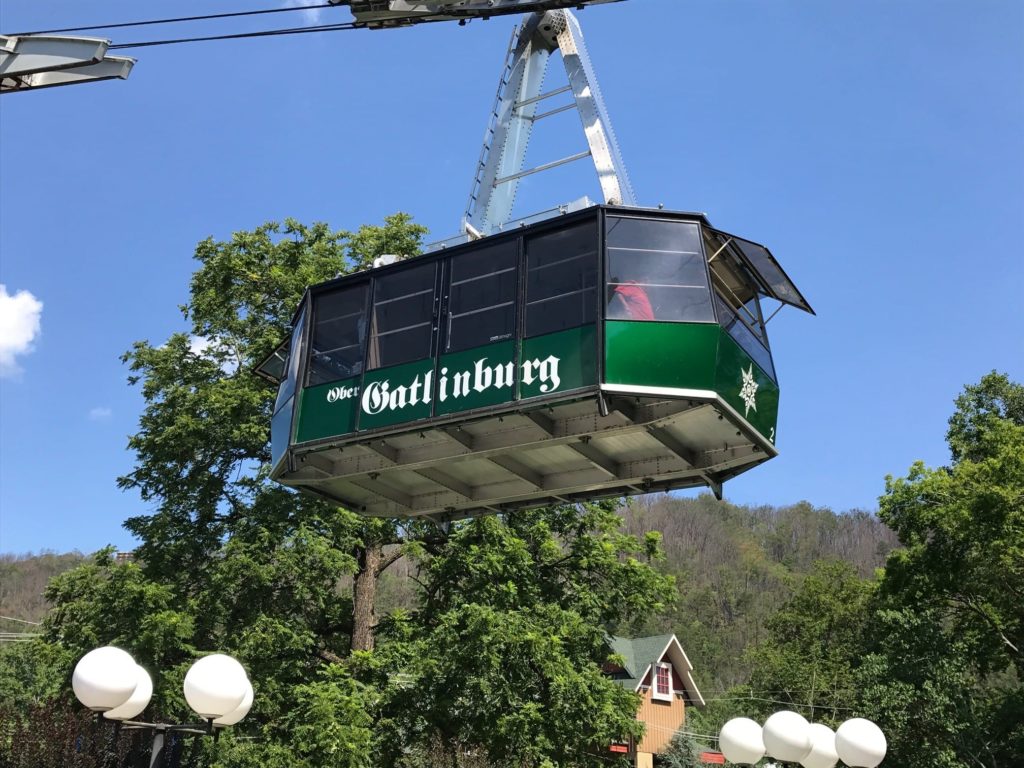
pixel 737 294
pixel 402 316
pixel 482 297
pixel 743 335
pixel 734 283
pixel 561 279
pixel 656 271
pixel 339 334
pixel 287 387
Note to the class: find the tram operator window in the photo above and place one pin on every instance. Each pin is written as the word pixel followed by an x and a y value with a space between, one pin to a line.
pixel 401 325
pixel 482 297
pixel 656 271
pixel 737 294
pixel 339 334
pixel 561 279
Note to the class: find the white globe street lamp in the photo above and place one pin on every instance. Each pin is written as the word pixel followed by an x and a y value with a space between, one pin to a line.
pixel 823 748
pixel 110 683
pixel 105 678
pixel 137 702
pixel 240 711
pixel 860 743
pixel 215 685
pixel 787 736
pixel 740 740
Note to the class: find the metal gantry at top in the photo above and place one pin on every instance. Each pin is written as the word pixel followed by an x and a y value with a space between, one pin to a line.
pixel 582 352
pixel 33 61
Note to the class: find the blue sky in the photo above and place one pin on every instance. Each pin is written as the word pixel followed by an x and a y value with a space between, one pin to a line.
pixel 877 147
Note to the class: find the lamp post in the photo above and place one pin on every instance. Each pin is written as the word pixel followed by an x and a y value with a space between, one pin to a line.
pixel 109 682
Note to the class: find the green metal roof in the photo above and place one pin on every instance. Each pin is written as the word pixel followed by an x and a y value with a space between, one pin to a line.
pixel 640 653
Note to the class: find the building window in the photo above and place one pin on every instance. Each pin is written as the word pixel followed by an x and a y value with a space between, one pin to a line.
pixel 662 688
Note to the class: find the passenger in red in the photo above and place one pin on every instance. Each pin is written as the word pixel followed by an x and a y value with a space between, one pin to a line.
pixel 629 302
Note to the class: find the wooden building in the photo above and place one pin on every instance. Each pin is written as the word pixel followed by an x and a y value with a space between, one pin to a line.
pixel 658 670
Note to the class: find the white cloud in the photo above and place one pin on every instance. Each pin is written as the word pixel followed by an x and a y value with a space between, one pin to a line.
pixel 100 413
pixel 312 15
pixel 19 327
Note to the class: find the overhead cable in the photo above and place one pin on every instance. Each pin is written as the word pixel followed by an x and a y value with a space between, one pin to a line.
pixel 176 20
pixel 240 35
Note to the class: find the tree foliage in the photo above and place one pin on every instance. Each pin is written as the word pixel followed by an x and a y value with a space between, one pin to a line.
pixel 943 664
pixel 231 562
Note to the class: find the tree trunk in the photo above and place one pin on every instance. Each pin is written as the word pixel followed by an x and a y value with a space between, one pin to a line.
pixel 364 593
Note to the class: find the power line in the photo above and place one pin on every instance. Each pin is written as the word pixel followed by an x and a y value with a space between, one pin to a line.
pixel 176 20
pixel 20 621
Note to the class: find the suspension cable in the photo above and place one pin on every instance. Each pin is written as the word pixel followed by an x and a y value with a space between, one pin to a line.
pixel 178 19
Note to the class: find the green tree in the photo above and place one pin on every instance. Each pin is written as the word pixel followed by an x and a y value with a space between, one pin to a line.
pixel 505 658
pixel 683 752
pixel 943 670
pixel 808 658
pixel 232 562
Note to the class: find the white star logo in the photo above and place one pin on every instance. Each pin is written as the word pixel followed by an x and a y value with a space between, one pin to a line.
pixel 748 393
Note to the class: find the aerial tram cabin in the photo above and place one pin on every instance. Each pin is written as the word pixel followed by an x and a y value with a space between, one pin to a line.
pixel 606 352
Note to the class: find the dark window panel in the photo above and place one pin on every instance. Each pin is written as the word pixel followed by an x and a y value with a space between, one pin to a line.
pixel 480 292
pixel 560 313
pixel 566 276
pixel 402 347
pixel 404 282
pixel 403 313
pixel 485 261
pixel 561 279
pixel 481 296
pixel 339 334
pixel 579 240
pixel 484 327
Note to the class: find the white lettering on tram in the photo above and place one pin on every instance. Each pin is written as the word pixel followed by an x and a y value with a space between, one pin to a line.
pixel 381 396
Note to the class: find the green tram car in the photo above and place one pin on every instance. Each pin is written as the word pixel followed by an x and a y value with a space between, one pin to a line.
pixel 607 352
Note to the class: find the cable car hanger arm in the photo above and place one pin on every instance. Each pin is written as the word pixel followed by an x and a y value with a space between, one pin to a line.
pixel 386 13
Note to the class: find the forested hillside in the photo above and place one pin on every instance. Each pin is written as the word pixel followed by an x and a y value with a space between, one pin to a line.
pixel 734 566
pixel 23 579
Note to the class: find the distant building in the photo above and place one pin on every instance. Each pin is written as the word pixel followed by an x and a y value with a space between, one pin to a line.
pixel 124 557
pixel 658 670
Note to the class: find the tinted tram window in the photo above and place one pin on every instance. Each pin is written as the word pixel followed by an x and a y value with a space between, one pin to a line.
pixel 402 316
pixel 737 294
pixel 287 386
pixel 482 295
pixel 561 279
pixel 656 271
pixel 339 334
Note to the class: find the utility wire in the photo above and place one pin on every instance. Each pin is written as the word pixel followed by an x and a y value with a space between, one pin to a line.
pixel 176 20
pixel 20 621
